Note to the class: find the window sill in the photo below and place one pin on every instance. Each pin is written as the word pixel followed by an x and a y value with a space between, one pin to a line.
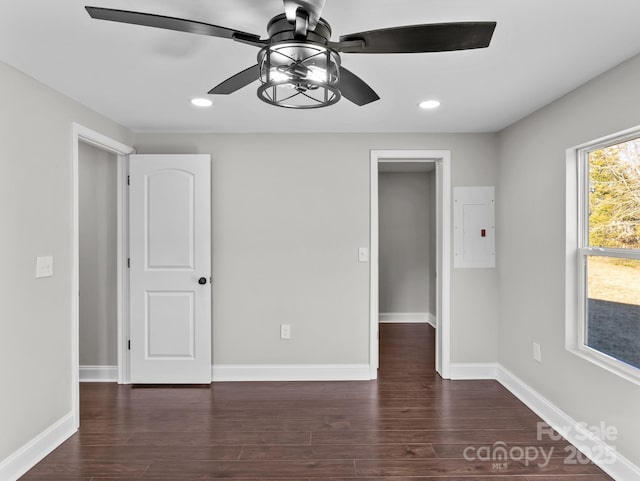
pixel 607 363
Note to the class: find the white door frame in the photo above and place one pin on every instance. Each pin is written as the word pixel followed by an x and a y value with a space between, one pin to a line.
pixel 442 159
pixel 83 134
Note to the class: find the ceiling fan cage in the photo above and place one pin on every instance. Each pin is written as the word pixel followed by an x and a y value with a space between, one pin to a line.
pixel 299 75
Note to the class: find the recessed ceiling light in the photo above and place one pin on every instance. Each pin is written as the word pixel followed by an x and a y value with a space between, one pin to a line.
pixel 429 104
pixel 202 102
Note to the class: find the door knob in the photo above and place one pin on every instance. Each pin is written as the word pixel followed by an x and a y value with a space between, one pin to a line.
pixel 202 281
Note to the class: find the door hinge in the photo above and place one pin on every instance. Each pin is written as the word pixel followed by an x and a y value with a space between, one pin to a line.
pixel 129 262
pixel 129 344
pixel 128 180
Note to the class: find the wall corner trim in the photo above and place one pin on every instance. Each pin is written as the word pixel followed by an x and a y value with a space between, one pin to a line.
pixel 586 442
pixel 35 450
pixel 98 373
pixel 290 372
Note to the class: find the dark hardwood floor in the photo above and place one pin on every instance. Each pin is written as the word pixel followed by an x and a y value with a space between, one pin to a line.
pixel 408 425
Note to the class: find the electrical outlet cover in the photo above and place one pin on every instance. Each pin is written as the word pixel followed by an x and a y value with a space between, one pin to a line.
pixel 285 331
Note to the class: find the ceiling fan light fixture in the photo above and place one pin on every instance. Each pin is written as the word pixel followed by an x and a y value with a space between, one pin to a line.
pixel 298 65
pixel 200 102
pixel 299 75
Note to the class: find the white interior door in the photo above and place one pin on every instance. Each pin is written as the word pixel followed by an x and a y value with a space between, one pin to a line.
pixel 170 252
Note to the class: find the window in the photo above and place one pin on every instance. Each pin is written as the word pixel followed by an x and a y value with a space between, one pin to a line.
pixel 608 261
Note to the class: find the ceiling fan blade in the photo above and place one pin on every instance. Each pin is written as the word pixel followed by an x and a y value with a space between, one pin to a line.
pixel 237 82
pixel 312 7
pixel 435 37
pixel 355 89
pixel 171 23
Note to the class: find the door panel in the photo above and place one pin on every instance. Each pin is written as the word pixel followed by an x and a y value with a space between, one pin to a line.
pixel 169 216
pixel 170 325
pixel 170 250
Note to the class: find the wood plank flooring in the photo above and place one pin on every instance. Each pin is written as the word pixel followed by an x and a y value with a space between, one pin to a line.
pixel 407 425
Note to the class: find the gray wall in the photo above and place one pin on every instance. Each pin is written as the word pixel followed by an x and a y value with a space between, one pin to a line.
pixel 35 213
pixel 98 248
pixel 286 232
pixel 406 222
pixel 531 251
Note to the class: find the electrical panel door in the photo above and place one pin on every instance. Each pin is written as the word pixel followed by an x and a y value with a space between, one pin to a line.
pixel 474 227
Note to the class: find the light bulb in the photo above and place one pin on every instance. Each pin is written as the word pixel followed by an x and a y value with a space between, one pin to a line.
pixel 429 104
pixel 201 102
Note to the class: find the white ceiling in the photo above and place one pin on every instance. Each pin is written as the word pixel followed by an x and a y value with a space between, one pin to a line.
pixel 143 77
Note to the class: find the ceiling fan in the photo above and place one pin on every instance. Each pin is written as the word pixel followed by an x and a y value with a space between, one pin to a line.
pixel 298 64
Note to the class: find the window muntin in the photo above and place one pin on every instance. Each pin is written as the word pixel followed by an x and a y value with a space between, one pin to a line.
pixel 610 251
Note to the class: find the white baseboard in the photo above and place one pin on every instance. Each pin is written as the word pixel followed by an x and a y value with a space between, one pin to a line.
pixel 291 372
pixel 431 319
pixel 35 450
pixel 406 317
pixel 615 465
pixel 468 371
pixel 602 454
pixel 98 373
pixel 606 457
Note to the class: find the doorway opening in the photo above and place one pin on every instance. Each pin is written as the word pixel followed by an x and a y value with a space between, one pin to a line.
pixel 81 137
pixel 407 242
pixel 426 291
pixel 98 299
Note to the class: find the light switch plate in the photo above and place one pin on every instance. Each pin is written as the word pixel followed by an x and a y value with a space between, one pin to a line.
pixel 44 267
pixel 537 353
pixel 363 254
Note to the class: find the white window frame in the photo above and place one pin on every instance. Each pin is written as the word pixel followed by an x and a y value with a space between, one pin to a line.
pixel 578 252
